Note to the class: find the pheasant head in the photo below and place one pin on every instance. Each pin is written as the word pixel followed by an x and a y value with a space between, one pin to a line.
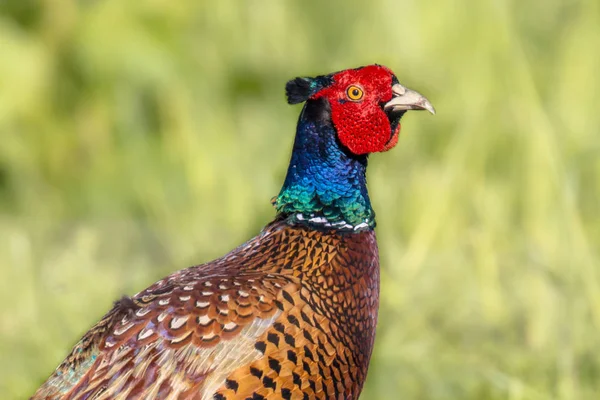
pixel 347 115
pixel 365 105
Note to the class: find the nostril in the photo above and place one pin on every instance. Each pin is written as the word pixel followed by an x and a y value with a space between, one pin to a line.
pixel 398 90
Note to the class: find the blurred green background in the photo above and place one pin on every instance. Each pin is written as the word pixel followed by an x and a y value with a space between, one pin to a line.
pixel 140 137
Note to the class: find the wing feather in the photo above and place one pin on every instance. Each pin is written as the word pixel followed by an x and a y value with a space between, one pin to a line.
pixel 179 338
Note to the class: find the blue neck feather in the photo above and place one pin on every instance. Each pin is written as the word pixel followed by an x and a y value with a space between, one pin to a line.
pixel 325 186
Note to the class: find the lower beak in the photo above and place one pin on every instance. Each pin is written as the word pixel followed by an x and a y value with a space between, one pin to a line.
pixel 406 99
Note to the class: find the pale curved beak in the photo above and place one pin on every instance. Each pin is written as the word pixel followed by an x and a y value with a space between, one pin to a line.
pixel 406 99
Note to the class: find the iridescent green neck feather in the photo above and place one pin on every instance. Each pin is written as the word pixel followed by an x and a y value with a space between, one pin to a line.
pixel 325 186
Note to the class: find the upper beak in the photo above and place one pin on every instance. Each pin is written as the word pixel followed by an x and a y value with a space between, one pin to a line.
pixel 406 99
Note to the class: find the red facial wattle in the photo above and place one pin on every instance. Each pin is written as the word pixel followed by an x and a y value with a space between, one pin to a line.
pixel 361 128
pixel 362 125
pixel 393 139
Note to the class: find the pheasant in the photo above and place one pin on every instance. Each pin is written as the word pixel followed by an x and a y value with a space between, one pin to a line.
pixel 291 313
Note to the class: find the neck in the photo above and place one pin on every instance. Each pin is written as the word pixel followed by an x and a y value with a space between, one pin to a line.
pixel 325 186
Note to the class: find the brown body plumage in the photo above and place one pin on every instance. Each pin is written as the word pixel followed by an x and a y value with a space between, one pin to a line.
pixel 254 324
pixel 291 314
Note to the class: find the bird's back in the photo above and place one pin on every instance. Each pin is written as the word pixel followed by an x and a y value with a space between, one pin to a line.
pixel 290 314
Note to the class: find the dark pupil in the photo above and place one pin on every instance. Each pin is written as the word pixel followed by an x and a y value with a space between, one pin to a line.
pixel 355 93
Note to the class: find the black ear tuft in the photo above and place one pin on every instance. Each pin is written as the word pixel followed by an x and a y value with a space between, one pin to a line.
pixel 302 88
pixel 298 90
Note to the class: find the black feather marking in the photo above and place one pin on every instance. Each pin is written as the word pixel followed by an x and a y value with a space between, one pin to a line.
pixel 274 365
pixel 269 383
pixel 288 297
pixel 306 367
pixel 261 346
pixel 231 384
pixel 279 304
pixel 308 353
pixel 293 320
pixel 289 339
pixel 292 356
pixel 308 336
pixel 273 338
pixel 305 318
pixel 297 380
pixel 256 372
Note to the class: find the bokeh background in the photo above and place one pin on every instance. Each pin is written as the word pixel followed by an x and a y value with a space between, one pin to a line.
pixel 140 137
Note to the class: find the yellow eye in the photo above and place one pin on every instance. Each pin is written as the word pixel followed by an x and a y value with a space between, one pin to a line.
pixel 354 93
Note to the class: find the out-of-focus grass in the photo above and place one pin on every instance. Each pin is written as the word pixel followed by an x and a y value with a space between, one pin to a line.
pixel 140 137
